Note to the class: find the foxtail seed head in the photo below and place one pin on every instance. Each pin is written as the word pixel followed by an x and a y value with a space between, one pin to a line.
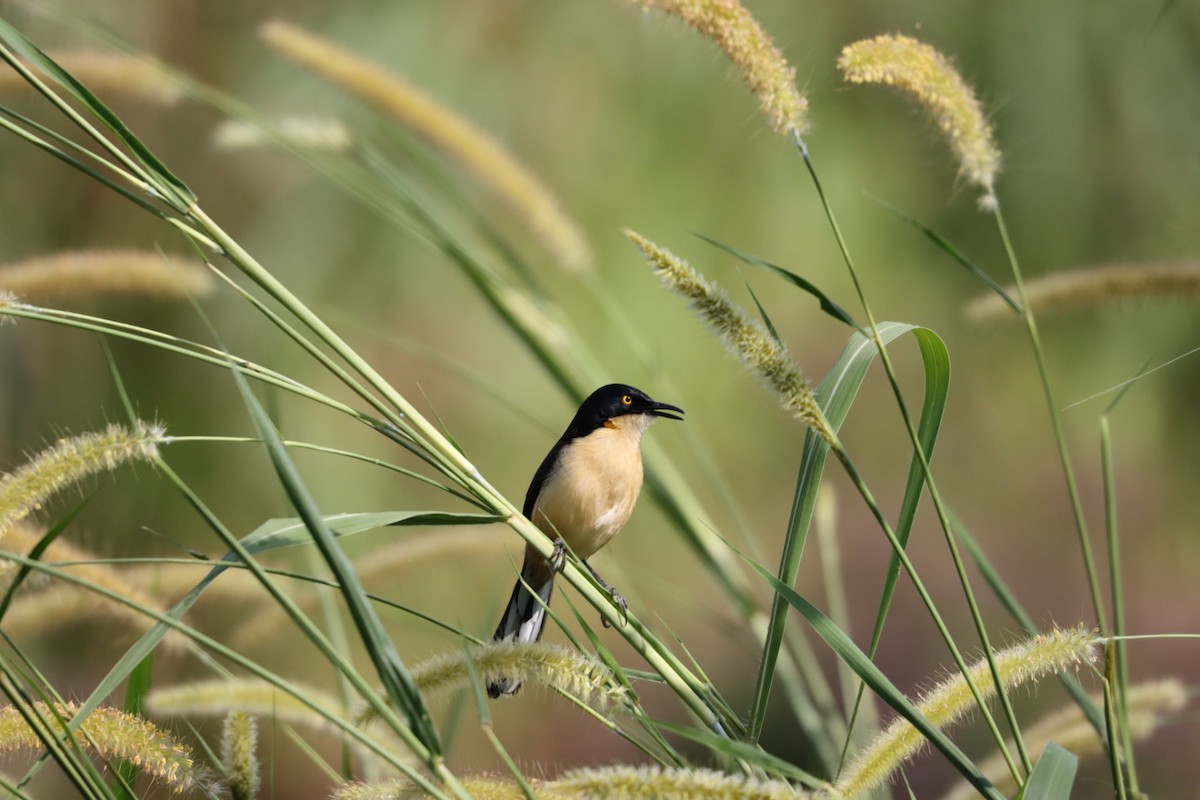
pixel 480 787
pixel 95 272
pixel 69 460
pixel 763 67
pixel 257 698
pixel 1095 287
pixel 929 76
pixel 445 130
pixel 239 751
pixel 951 700
pixel 619 782
pixel 555 666
pixel 1149 704
pixel 115 734
pixel 744 338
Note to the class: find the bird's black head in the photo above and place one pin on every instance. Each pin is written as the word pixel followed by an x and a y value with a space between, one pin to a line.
pixel 617 400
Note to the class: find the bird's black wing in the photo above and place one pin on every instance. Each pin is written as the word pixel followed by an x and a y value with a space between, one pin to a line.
pixel 543 472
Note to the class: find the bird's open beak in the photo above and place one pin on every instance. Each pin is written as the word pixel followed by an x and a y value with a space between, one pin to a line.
pixel 665 409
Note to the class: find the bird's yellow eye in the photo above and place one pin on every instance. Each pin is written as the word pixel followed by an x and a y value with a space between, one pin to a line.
pixel 627 400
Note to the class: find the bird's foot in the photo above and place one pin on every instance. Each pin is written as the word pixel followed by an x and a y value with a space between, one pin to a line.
pixel 622 604
pixel 616 596
pixel 558 558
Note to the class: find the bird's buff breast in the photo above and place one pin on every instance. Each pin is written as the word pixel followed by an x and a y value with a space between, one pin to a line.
pixel 591 493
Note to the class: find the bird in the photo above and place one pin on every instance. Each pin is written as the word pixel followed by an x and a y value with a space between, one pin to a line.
pixel 581 496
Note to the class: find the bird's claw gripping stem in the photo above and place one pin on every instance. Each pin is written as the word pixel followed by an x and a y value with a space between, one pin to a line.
pixel 616 596
pixel 558 558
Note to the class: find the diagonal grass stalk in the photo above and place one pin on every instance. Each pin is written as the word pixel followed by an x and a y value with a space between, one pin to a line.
pixel 939 506
pixel 1121 655
pixel 1060 437
pixel 1111 723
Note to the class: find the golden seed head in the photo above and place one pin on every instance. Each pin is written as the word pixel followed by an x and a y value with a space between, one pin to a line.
pixel 95 272
pixel 443 129
pixel 929 76
pixel 239 751
pixel 951 700
pixel 620 781
pixel 1096 287
pixel 114 734
pixel 555 666
pixel 71 459
pixel 744 338
pixel 481 787
pixel 257 698
pixel 1148 705
pixel 763 67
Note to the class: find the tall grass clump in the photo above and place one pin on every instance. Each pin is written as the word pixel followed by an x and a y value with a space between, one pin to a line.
pixel 309 589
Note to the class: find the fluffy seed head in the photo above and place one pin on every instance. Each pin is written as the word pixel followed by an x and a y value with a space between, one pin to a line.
pixel 536 663
pixel 929 76
pixel 239 751
pixel 621 782
pixel 69 460
pixel 95 272
pixel 445 130
pixel 1096 287
pixel 763 67
pixel 1148 703
pixel 744 338
pixel 114 734
pixel 951 700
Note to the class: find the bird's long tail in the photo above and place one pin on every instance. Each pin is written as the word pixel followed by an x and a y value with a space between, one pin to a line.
pixel 525 616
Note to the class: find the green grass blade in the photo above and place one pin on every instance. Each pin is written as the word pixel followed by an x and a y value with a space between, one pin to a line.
pixel 836 394
pixel 275 534
pixel 935 359
pixel 1117 593
pixel 762 313
pixel 1053 776
pixel 879 683
pixel 745 752
pixel 171 620
pixel 949 249
pixel 397 682
pixel 45 141
pixel 36 554
pixel 828 306
pixel 485 722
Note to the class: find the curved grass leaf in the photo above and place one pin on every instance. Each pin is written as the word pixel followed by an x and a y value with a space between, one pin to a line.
pixel 836 394
pixel 1053 776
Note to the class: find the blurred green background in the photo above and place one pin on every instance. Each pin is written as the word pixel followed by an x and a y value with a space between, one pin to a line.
pixel 638 122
